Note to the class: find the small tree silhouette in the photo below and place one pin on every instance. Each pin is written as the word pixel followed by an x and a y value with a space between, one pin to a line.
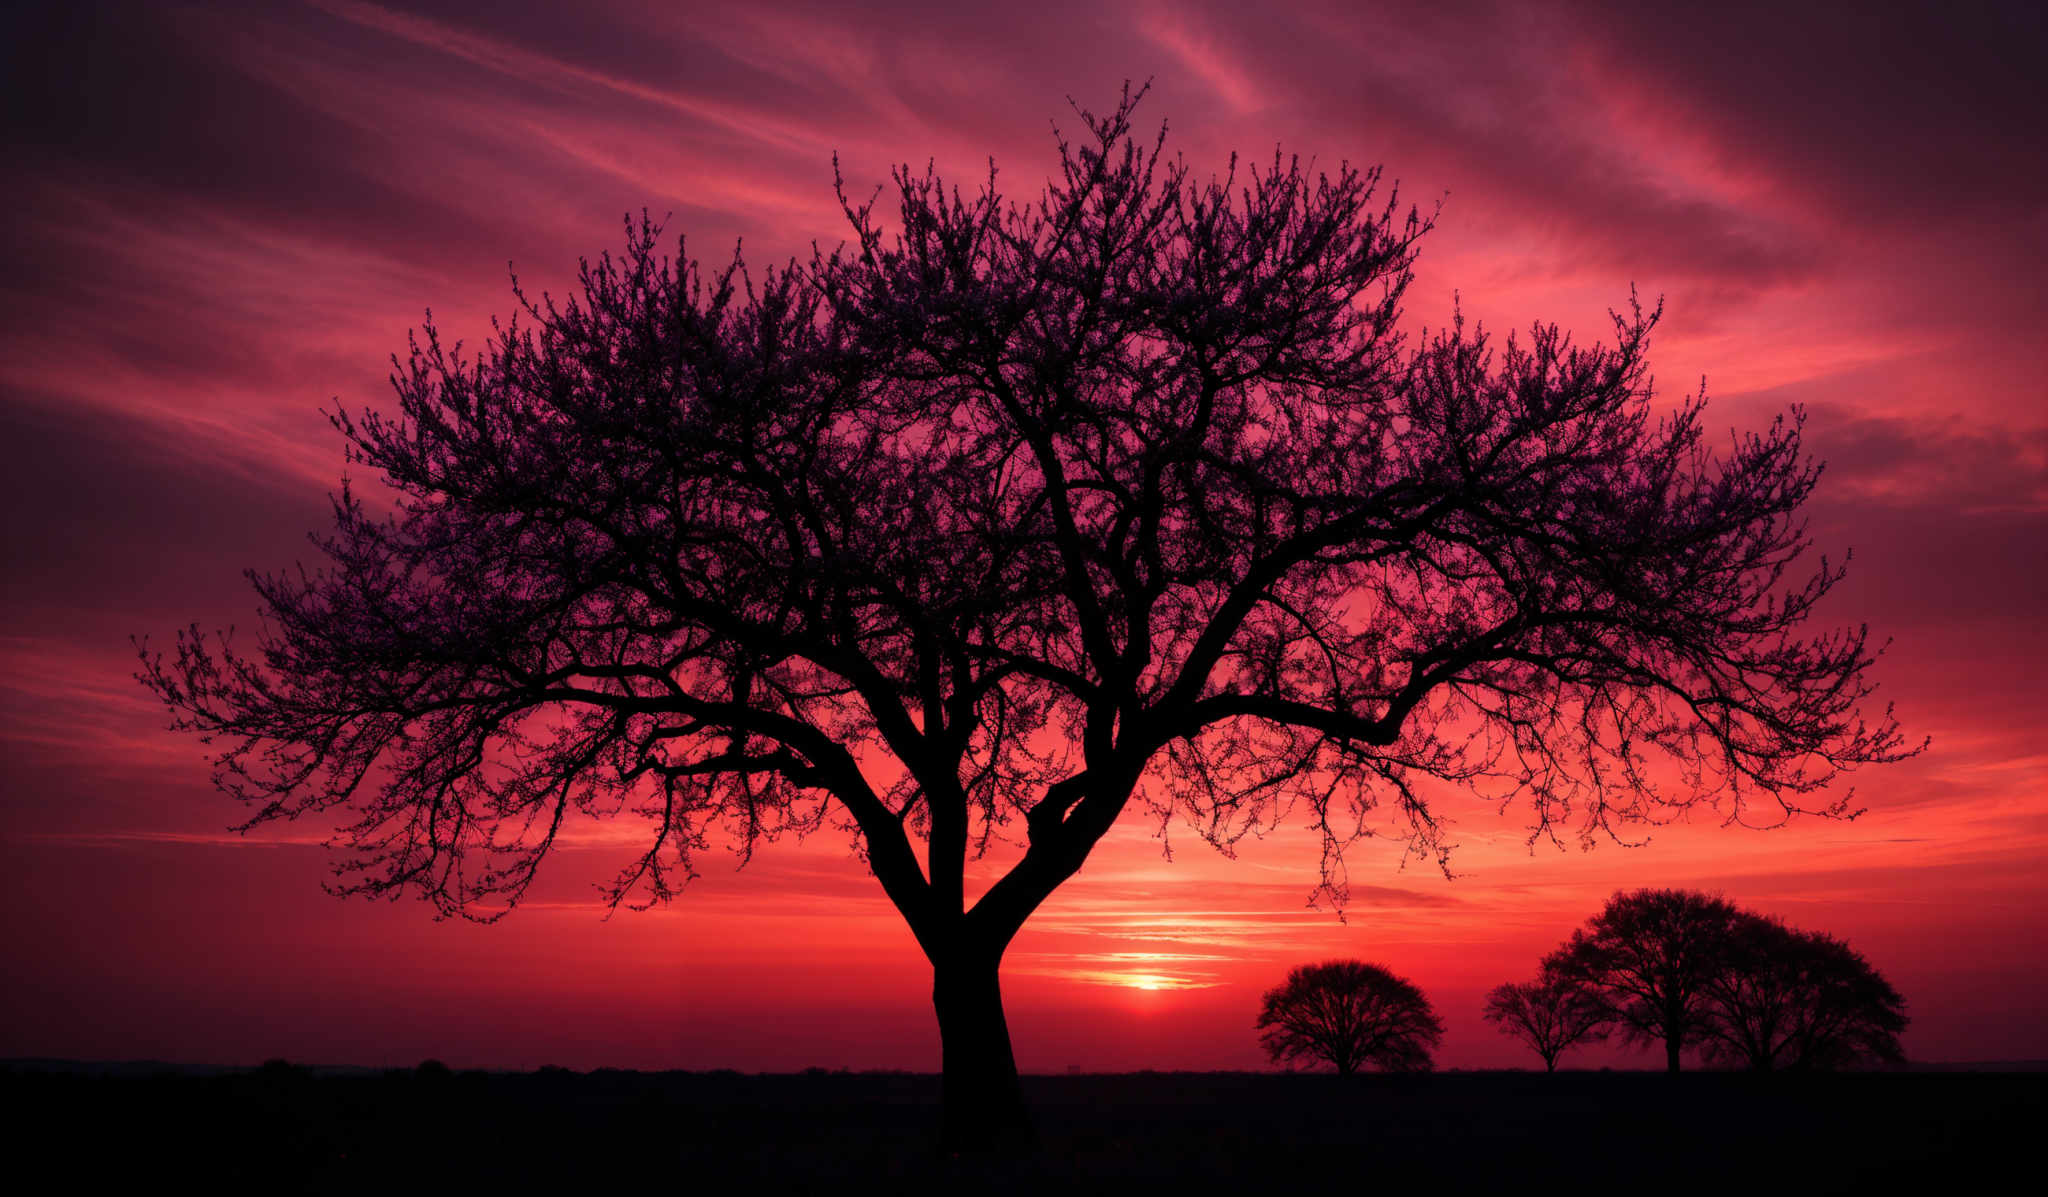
pixel 1790 999
pixel 1550 1014
pixel 1648 957
pixel 1350 1015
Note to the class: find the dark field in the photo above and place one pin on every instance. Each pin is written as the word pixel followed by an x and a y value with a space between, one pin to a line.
pixel 285 1129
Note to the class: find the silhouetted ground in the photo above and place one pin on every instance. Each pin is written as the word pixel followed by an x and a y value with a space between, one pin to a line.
pixel 287 1129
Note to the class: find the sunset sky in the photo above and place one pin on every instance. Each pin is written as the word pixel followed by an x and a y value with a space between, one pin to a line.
pixel 222 218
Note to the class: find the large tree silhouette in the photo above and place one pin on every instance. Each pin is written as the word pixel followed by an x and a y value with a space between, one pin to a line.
pixel 981 530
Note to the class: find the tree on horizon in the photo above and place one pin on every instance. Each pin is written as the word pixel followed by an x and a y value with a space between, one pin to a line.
pixel 1792 1000
pixel 1683 969
pixel 1551 1014
pixel 1350 1015
pixel 994 528
pixel 1649 957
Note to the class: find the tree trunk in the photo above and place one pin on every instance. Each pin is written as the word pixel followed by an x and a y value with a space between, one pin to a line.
pixel 982 1102
pixel 1671 1045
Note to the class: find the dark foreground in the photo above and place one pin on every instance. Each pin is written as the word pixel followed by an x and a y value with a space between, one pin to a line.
pixel 285 1129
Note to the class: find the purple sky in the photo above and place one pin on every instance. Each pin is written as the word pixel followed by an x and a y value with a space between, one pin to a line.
pixel 222 218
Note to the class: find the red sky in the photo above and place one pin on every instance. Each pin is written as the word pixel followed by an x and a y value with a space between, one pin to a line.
pixel 221 218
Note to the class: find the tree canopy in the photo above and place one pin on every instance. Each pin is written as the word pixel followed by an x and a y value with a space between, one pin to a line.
pixel 993 521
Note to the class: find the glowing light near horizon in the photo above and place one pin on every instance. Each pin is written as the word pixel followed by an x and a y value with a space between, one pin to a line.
pixel 1146 982
pixel 1162 972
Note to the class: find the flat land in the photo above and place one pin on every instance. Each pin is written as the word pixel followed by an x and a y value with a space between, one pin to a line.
pixel 285 1129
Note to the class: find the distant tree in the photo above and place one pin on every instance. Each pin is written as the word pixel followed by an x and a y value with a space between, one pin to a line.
pixel 1648 958
pixel 949 539
pixel 1350 1015
pixel 1790 999
pixel 1551 1014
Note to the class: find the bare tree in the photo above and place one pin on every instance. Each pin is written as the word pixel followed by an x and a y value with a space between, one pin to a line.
pixel 1649 957
pixel 1790 999
pixel 1350 1015
pixel 952 538
pixel 1551 1014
